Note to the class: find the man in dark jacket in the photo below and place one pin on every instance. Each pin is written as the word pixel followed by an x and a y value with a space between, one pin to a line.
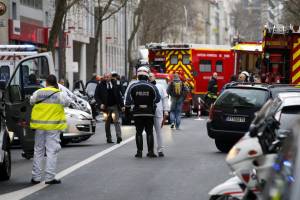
pixel 212 89
pixel 108 96
pixel 144 96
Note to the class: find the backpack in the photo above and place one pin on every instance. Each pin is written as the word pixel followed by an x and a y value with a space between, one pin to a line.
pixel 177 88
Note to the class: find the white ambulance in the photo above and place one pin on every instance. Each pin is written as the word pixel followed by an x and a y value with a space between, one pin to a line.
pixel 10 55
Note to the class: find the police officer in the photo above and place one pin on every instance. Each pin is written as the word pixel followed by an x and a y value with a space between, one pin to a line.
pixel 144 96
pixel 212 89
pixel 48 120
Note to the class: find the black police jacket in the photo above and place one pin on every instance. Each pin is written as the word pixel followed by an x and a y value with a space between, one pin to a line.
pixel 144 96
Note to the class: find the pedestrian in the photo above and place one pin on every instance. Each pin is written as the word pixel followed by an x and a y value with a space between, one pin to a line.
pixel 91 85
pixel 161 112
pixel 116 78
pixel 177 91
pixel 212 90
pixel 144 96
pixel 32 86
pixel 244 77
pixel 48 120
pixel 108 96
pixel 124 84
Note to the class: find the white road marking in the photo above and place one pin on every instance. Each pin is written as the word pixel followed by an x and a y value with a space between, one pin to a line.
pixel 20 194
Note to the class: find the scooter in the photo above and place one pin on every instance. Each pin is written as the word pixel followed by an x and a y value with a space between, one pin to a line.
pixel 250 160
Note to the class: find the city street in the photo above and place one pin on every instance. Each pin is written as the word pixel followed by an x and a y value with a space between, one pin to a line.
pixel 191 167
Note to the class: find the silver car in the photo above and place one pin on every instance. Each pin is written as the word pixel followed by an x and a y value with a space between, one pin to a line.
pixel 81 126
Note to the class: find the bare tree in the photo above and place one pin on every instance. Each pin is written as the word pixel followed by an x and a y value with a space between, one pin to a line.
pixel 57 32
pixel 291 14
pixel 103 12
pixel 247 22
pixel 137 19
pixel 164 20
pixel 61 9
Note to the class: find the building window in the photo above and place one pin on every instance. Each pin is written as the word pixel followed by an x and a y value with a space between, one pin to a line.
pixel 219 66
pixel 37 4
pixel 46 18
pixel 205 66
pixel 174 60
pixel 14 10
pixel 186 59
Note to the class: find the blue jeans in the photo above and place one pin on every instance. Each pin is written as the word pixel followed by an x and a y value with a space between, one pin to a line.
pixel 175 112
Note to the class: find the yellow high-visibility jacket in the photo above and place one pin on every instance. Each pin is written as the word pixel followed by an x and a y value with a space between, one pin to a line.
pixel 48 114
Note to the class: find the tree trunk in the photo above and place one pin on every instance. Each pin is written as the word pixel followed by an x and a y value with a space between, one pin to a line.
pixel 137 18
pixel 60 12
pixel 62 51
pixel 98 37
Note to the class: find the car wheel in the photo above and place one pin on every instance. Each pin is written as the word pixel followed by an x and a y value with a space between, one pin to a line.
pixel 5 167
pixel 223 146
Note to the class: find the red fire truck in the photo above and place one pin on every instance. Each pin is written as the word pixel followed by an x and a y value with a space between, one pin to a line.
pixel 281 54
pixel 195 64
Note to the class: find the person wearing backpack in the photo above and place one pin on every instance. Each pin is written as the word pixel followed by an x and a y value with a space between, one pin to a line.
pixel 177 91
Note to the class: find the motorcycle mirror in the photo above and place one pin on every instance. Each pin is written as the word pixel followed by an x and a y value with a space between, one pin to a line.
pixel 253 130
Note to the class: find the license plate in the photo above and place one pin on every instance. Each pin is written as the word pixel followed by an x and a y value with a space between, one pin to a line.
pixel 235 119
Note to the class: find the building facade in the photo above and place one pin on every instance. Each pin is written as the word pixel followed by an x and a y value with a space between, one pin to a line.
pixel 24 22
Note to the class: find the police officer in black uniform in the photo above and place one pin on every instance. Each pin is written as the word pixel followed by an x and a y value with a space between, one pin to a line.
pixel 144 96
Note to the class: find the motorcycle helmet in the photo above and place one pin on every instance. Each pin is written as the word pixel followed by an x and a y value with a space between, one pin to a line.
pixel 143 71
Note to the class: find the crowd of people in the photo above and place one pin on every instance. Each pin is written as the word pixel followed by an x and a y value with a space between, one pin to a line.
pixel 148 101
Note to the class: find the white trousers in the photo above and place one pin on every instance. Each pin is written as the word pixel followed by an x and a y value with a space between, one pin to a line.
pixel 159 140
pixel 48 141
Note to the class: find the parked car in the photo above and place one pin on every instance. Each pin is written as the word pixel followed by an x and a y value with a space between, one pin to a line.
pixel 81 126
pixel 230 116
pixel 284 179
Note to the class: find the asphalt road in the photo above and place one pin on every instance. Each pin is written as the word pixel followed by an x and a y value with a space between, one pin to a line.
pixel 191 167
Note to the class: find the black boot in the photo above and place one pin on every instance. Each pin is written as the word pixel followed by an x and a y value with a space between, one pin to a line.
pixel 139 145
pixel 150 144
pixel 139 154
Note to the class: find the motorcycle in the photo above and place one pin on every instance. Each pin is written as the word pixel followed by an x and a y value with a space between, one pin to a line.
pixel 251 158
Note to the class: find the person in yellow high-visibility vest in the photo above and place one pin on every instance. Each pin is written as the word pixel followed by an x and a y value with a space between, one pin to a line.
pixel 48 120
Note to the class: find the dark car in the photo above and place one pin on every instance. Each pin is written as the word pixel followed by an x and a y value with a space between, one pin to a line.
pixel 233 111
pixel 284 179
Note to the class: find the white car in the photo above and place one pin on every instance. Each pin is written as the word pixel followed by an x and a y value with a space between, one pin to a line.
pixel 81 126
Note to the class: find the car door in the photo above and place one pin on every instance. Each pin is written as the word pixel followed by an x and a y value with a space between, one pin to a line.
pixel 18 108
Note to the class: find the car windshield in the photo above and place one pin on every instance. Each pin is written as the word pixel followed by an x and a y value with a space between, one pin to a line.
pixel 289 117
pixel 242 98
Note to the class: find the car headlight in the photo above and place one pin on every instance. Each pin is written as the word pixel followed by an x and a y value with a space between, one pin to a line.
pixel 88 108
